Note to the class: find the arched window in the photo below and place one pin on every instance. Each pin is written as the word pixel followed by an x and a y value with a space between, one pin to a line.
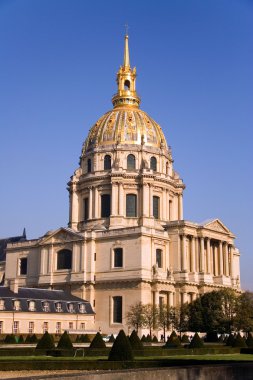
pixel 89 165
pixel 64 259
pixel 131 205
pixel 127 85
pixel 105 205
pixel 107 162
pixel 31 305
pixel 82 308
pixel 156 207
pixel 130 162
pixel 153 164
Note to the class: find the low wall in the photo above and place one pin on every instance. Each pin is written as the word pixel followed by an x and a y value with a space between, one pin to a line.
pixel 237 371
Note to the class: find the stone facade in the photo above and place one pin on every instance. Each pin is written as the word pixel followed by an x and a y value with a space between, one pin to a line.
pixel 127 240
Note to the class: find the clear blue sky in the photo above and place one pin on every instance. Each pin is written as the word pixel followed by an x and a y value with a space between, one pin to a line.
pixel 194 59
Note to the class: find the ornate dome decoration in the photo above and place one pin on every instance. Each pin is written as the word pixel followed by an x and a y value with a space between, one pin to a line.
pixel 126 123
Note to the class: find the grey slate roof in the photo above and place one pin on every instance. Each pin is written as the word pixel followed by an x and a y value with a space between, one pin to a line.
pixel 25 295
pixel 4 242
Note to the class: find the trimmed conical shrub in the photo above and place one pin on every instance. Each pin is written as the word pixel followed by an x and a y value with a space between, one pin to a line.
pixel 155 340
pixel 121 349
pixel 185 339
pixel 135 341
pixel 111 339
pixel 249 340
pixel 84 338
pixel 34 339
pixel 46 342
pixel 65 342
pixel 148 339
pixel 239 341
pixel 230 340
pixel 143 338
pixel 173 341
pixel 196 342
pixel 10 338
pixel 21 339
pixel 28 339
pixel 97 342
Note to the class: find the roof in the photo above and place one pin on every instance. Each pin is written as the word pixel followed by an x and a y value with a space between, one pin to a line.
pixel 5 241
pixel 41 295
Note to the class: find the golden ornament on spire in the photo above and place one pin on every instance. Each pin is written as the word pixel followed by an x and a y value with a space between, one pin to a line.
pixel 126 77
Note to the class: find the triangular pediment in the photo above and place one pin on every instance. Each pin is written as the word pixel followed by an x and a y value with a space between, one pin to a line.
pixel 216 225
pixel 61 235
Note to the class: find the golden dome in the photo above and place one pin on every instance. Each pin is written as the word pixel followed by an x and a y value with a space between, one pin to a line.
pixel 126 123
pixel 126 126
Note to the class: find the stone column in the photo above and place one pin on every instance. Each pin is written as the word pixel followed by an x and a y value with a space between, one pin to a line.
pixel 208 258
pixel 96 202
pixel 221 257
pixel 202 255
pixel 193 255
pixel 226 261
pixel 180 207
pixel 90 202
pixel 145 200
pixel 231 261
pixel 164 208
pixel 185 298
pixel 183 253
pixel 171 299
pixel 114 199
pixel 156 298
pixel 150 200
pixel 121 198
pixel 215 261
pixel 194 296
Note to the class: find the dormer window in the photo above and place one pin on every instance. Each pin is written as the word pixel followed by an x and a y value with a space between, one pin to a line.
pixel 71 308
pixel 2 307
pixel 82 308
pixel 16 305
pixel 45 306
pixel 31 305
pixel 58 307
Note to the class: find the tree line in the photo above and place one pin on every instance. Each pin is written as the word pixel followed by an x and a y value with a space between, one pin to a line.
pixel 223 311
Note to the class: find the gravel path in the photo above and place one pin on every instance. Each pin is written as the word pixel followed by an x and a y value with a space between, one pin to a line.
pixel 29 374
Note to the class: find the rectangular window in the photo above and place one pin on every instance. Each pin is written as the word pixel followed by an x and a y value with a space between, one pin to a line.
pixel 105 205
pixel 82 326
pixel 58 307
pixel 117 309
pixel 58 328
pixel 23 266
pixel 156 207
pixel 45 327
pixel 46 306
pixel 131 205
pixel 159 258
pixel 118 258
pixel 31 328
pixel 15 327
pixel 71 326
pixel 16 305
pixel 85 209
pixel 1 327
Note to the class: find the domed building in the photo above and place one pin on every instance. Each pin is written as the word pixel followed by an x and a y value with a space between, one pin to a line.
pixel 127 240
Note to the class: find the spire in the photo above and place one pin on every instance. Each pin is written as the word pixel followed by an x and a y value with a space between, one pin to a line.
pixel 126 53
pixel 126 77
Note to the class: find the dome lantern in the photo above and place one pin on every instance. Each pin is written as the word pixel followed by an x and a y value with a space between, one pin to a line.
pixel 126 77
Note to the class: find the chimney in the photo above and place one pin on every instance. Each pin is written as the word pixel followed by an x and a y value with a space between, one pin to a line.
pixel 13 284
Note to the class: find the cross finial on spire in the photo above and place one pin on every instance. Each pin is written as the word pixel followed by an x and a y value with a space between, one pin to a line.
pixel 127 27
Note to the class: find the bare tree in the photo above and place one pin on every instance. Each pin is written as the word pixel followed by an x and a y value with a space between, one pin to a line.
pixel 150 313
pixel 166 317
pixel 135 316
